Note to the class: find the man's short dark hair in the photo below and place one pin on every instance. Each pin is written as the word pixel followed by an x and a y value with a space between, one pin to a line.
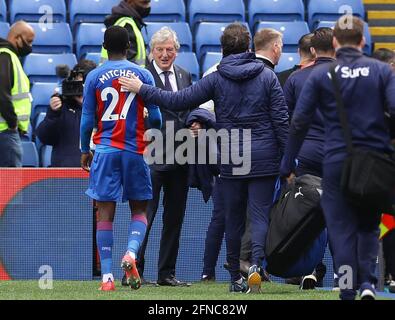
pixel 349 30
pixel 322 40
pixel 385 55
pixel 116 40
pixel 84 66
pixel 304 44
pixel 235 39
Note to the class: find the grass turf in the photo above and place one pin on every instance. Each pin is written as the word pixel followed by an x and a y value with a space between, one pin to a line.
pixel 87 290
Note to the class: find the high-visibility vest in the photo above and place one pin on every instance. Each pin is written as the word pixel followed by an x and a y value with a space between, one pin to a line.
pixel 20 93
pixel 141 53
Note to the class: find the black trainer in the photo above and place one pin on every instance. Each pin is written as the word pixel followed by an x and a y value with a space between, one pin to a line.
pixel 239 287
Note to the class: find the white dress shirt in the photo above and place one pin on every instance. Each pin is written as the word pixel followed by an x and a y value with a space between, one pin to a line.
pixel 172 76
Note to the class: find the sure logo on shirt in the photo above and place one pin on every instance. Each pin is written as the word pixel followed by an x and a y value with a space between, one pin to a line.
pixel 348 73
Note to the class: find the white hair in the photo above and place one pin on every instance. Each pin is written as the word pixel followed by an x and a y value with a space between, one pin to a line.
pixel 164 34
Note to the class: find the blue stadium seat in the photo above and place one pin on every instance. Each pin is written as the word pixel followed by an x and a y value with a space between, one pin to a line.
pixel 30 155
pixel 181 28
pixel 275 10
pixel 368 46
pixel 33 11
pixel 210 59
pixel 3 11
pixel 45 156
pixel 287 61
pixel 331 10
pixel 57 39
pixel 42 67
pixel 166 10
pixel 292 31
pixel 90 11
pixel 28 136
pixel 215 11
pixel 90 37
pixel 208 36
pixel 4 28
pixel 188 61
pixel 41 92
pixel 94 56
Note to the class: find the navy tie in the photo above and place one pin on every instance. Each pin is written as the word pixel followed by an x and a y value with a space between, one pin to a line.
pixel 167 81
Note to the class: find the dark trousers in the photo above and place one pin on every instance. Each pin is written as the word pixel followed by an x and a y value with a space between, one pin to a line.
pixel 215 232
pixel 175 192
pixel 10 149
pixel 353 234
pixel 258 194
pixel 389 253
pixel 246 244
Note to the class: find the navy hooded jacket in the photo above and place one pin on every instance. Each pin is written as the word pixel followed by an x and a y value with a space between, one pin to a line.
pixel 201 176
pixel 366 85
pixel 246 95
pixel 312 151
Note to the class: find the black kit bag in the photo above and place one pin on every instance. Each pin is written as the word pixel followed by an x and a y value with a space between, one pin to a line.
pixel 368 176
pixel 296 221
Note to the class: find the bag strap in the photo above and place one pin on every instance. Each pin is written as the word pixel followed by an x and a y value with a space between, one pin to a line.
pixel 341 109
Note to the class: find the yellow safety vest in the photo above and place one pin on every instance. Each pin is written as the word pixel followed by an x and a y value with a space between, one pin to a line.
pixel 20 93
pixel 141 53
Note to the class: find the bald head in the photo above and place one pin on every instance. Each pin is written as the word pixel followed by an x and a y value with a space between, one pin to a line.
pixel 21 35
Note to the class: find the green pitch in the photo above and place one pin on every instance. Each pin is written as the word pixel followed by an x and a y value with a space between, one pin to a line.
pixel 87 290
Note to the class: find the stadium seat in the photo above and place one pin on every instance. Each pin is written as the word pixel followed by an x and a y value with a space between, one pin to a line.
pixel 292 31
pixel 275 10
pixel 30 155
pixel 4 28
pixel 94 56
pixel 331 10
pixel 287 61
pixel 89 11
pixel 3 11
pixel 28 136
pixel 215 11
pixel 89 38
pixel 45 156
pixel 188 61
pixel 368 46
pixel 35 11
pixel 208 36
pixel 210 59
pixel 181 28
pixel 166 10
pixel 42 67
pixel 41 92
pixel 57 39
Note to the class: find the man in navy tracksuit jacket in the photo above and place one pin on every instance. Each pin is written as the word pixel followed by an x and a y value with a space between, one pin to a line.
pixel 311 155
pixel 246 95
pixel 366 86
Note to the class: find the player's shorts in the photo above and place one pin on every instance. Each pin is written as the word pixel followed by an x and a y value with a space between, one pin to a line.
pixel 119 173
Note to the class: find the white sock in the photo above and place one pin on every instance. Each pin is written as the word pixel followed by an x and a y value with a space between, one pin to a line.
pixel 108 276
pixel 132 255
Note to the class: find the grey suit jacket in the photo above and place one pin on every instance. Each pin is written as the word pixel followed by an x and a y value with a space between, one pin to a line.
pixel 171 118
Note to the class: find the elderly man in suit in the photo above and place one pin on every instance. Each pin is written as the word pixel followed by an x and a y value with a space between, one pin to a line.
pixel 169 176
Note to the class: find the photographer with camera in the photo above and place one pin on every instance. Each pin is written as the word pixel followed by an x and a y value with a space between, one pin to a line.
pixel 61 126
